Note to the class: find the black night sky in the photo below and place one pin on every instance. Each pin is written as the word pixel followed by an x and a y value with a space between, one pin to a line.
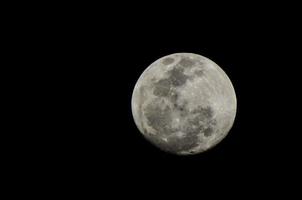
pixel 93 61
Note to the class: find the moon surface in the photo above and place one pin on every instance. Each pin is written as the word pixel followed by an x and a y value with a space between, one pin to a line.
pixel 184 103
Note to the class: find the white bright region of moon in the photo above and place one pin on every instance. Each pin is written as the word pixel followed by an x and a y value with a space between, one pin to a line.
pixel 184 103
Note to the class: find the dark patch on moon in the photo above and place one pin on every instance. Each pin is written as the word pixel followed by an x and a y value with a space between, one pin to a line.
pixel 203 112
pixel 177 77
pixel 180 107
pixel 182 144
pixel 168 61
pixel 192 128
pixel 162 88
pixel 158 118
pixel 186 62
pixel 208 131
pixel 199 73
pixel 201 122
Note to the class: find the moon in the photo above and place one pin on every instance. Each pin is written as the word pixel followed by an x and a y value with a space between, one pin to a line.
pixel 184 104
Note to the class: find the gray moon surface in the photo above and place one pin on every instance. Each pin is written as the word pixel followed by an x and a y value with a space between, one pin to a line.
pixel 184 104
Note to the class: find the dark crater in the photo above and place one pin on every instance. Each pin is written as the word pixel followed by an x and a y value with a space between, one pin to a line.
pixel 177 77
pixel 164 87
pixel 186 62
pixel 159 118
pixel 208 131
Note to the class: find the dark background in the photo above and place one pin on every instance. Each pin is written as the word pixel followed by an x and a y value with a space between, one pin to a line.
pixel 86 60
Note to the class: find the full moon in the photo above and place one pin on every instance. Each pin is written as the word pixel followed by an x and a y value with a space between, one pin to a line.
pixel 184 104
